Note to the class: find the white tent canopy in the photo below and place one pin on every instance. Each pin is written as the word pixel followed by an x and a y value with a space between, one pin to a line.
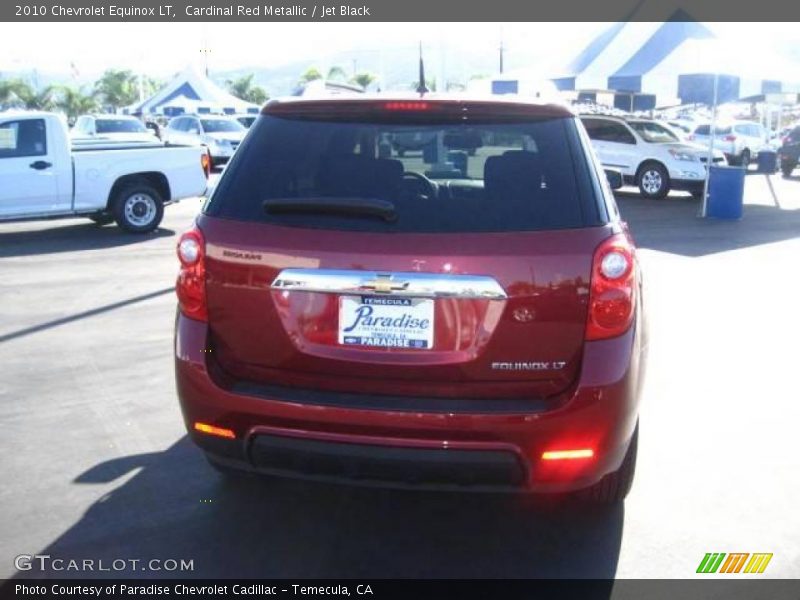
pixel 676 61
pixel 191 91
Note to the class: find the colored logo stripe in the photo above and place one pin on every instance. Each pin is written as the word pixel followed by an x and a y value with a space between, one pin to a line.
pixel 758 563
pixel 734 562
pixel 710 562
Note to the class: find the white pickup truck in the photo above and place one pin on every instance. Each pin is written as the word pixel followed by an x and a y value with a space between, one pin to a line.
pixel 43 176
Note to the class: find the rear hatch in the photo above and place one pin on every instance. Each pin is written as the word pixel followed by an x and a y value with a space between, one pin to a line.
pixel 457 270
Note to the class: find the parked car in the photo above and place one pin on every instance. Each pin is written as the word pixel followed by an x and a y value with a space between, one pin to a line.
pixel 740 141
pixel 683 128
pixel 246 120
pixel 221 134
pixel 111 128
pixel 789 153
pixel 348 315
pixel 411 141
pixel 45 177
pixel 649 155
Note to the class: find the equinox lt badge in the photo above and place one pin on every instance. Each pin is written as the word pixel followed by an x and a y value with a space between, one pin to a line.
pixel 529 366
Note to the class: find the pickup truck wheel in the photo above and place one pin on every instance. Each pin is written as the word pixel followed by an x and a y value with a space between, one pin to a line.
pixel 102 218
pixel 787 168
pixel 653 180
pixel 138 208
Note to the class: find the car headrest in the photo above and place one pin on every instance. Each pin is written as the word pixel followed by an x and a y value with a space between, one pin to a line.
pixel 513 172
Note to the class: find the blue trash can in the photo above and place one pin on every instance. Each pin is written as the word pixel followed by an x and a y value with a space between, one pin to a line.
pixel 767 161
pixel 725 192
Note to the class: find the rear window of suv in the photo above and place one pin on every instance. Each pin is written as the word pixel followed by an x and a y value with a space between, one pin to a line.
pixel 436 177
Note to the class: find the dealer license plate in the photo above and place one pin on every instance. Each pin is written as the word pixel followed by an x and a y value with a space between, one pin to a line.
pixel 386 322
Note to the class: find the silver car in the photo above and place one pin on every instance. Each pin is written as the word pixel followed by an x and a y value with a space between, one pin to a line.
pixel 221 134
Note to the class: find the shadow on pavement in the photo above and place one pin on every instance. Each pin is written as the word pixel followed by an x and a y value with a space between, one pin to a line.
pixel 82 315
pixel 83 235
pixel 177 507
pixel 672 225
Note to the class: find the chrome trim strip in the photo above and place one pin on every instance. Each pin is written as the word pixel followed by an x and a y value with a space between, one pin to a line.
pixel 418 285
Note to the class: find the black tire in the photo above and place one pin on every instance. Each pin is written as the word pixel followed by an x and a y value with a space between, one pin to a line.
pixel 138 208
pixel 787 169
pixel 653 180
pixel 744 159
pixel 102 218
pixel 614 487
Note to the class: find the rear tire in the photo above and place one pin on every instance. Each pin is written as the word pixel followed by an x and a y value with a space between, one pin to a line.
pixel 787 169
pixel 138 208
pixel 653 181
pixel 614 487
pixel 744 159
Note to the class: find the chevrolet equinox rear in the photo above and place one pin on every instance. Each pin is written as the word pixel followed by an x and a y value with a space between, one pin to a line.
pixel 466 315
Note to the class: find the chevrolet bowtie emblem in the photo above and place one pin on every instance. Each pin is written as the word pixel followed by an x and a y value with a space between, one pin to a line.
pixel 384 284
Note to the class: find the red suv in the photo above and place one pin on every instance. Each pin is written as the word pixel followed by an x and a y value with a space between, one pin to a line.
pixel 465 316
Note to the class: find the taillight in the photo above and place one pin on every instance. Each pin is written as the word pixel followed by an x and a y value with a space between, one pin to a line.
pixel 729 138
pixel 612 289
pixel 205 163
pixel 191 284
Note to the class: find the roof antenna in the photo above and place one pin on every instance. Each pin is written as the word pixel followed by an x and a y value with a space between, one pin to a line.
pixel 422 89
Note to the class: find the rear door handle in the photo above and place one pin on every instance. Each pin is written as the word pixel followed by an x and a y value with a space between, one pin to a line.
pixel 40 164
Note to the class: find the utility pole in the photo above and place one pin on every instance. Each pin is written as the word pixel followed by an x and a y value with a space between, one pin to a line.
pixel 502 48
pixel 205 50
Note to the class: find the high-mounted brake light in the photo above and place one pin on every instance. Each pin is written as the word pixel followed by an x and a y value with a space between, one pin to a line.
pixel 191 285
pixel 213 430
pixel 612 289
pixel 409 105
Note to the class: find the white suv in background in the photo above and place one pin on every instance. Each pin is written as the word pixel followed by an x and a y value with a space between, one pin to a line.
pixel 118 128
pixel 220 133
pixel 740 141
pixel 649 155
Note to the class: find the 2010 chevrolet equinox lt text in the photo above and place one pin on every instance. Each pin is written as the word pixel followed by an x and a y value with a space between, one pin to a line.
pixel 467 315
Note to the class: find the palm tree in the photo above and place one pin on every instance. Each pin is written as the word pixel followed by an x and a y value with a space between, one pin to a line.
pixel 311 74
pixel 363 79
pixel 74 102
pixel 33 99
pixel 337 73
pixel 244 89
pixel 8 91
pixel 117 88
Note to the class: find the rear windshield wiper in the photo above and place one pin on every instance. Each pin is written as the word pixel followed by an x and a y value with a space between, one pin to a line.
pixel 355 207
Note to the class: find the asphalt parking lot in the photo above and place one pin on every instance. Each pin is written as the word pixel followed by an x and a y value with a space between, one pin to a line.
pixel 95 462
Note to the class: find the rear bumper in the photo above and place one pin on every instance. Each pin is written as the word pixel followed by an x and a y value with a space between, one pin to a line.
pixel 478 448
